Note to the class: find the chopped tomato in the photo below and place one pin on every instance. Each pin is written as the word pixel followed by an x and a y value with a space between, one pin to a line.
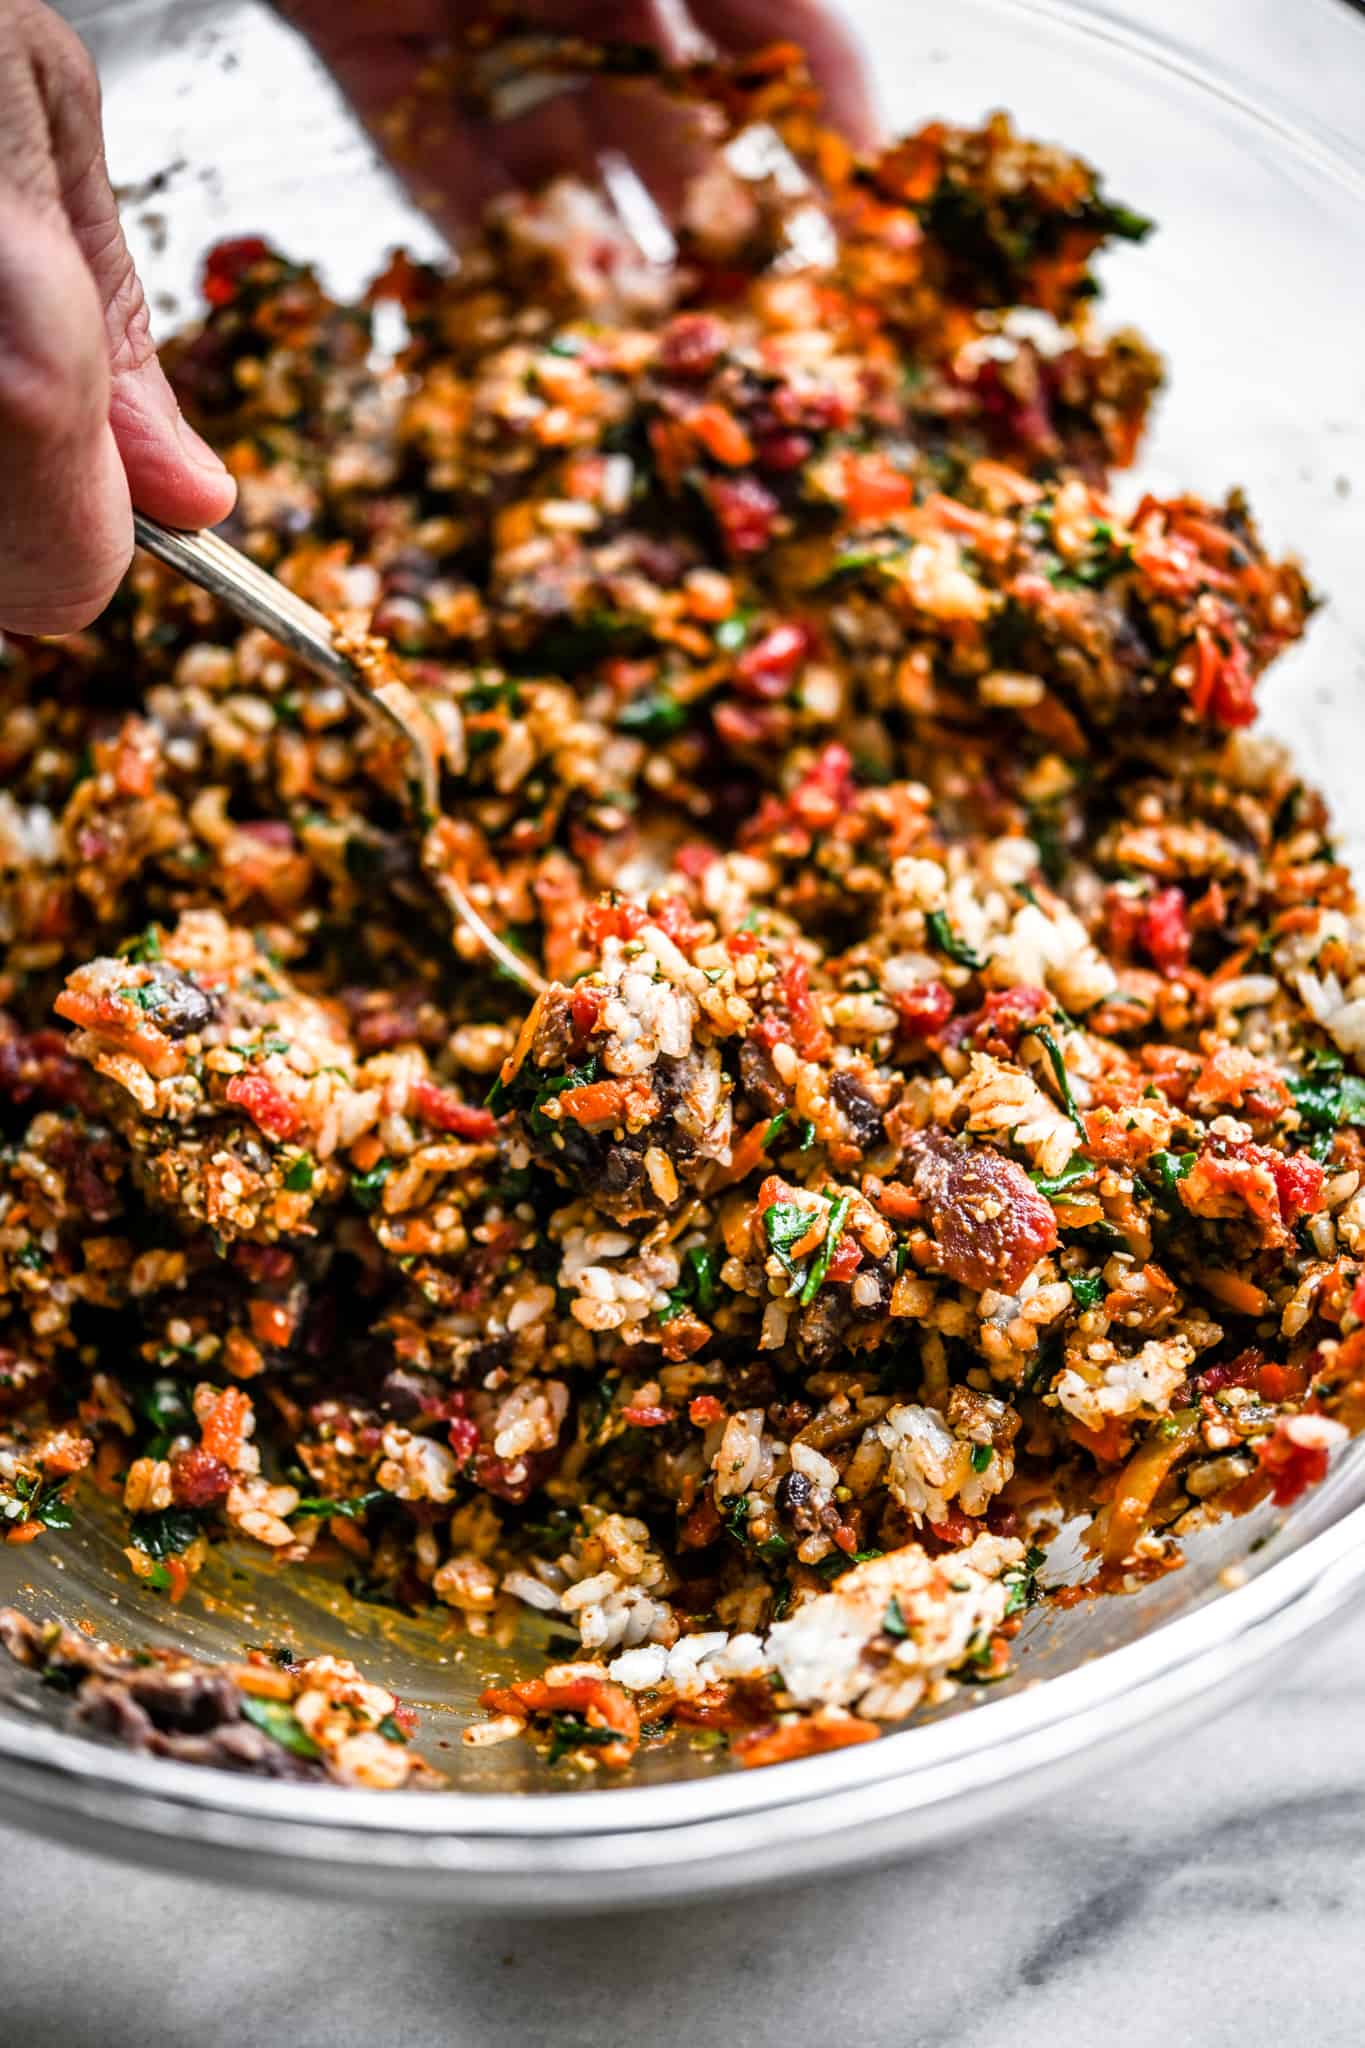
pixel 271 1111
pixel 648 1416
pixel 809 1035
pixel 1292 1458
pixel 703 1410
pixel 744 511
pixel 846 1260
pixel 601 1703
pixel 874 487
pixel 227 263
pixel 618 920
pixel 766 668
pixel 923 1009
pixel 1224 687
pixel 1298 1183
pixel 443 1108
pixel 223 1430
pixel 599 1102
pixel 1164 931
pixel 789 1739
pixel 721 435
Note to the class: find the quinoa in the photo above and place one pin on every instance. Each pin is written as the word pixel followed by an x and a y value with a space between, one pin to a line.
pixel 945 1115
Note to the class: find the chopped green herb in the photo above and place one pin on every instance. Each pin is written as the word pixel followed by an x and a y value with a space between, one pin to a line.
pixel 146 946
pixel 279 1721
pixel 299 1175
pixel 696 1283
pixel 392 1730
pixel 1054 1184
pixel 654 715
pixel 318 1505
pixel 1172 1167
pixel 732 633
pixel 946 939
pixel 1059 1072
pixel 982 1454
pixel 1022 1580
pixel 773 1548
pixel 737 1517
pixel 165 1534
pixel 840 1206
pixel 840 1561
pixel 1087 1290
pixel 785 1224
pixel 368 1187
pixel 1326 1097
pixel 569 1732
pixel 893 1621
pixel 778 1124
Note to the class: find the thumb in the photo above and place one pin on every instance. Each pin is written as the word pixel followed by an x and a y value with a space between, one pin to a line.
pixel 66 530
pixel 172 473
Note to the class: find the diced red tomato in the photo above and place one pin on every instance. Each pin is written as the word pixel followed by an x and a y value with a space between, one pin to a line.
pixel 765 670
pixel 227 263
pixel 463 1437
pixel 923 1009
pixel 703 1410
pixel 598 1102
pixel 874 487
pixel 745 512
pixel 585 1003
pixel 847 1258
pixel 1292 1458
pixel 1224 687
pixel 1164 931
pixel 808 1032
pixel 223 1430
pixel 676 921
pixel 268 1109
pixel 1298 1183
pixel 694 859
pixel 647 1416
pixel 956 1528
pixel 693 344
pixel 443 1108
pixel 721 435
pixel 619 920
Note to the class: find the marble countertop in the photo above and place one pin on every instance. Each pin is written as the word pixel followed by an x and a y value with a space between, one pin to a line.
pixel 1211 1892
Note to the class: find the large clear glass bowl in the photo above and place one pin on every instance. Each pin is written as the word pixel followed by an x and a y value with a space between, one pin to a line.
pixel 219 124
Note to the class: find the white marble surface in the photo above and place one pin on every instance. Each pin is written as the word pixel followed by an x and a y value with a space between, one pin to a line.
pixel 1211 1893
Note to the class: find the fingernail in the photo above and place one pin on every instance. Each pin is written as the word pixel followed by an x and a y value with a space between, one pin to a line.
pixel 196 449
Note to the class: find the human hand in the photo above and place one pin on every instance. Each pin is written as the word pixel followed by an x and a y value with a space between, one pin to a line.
pixel 88 424
pixel 378 55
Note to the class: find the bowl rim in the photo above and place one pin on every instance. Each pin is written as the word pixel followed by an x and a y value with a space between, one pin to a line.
pixel 587 1847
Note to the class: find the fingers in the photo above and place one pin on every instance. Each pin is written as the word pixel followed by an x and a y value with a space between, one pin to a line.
pixel 66 532
pixel 172 474
pixel 831 50
pixel 454 165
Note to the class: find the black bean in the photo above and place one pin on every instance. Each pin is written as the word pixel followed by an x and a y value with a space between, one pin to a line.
pixel 175 1002
pixel 794 1492
pixel 861 1114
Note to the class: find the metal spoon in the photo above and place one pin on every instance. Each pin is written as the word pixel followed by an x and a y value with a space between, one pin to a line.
pixel 244 587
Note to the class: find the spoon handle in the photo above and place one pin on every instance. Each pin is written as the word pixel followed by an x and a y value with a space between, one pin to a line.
pixel 214 565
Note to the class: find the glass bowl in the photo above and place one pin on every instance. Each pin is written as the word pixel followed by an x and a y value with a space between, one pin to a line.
pixel 219 124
